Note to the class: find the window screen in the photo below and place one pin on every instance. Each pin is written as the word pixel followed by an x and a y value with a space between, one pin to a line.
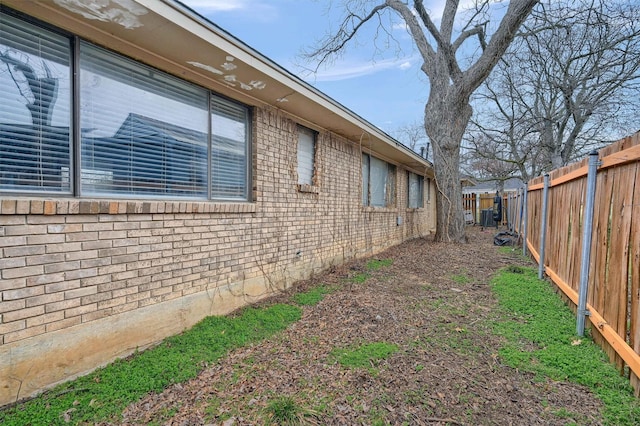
pixel 230 140
pixel 306 155
pixel 365 179
pixel 143 131
pixel 35 108
pixel 378 182
pixel 416 190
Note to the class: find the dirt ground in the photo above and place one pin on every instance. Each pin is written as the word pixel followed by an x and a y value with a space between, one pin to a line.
pixel 434 303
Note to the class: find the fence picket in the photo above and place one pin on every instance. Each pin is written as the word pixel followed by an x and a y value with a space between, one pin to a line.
pixel 613 298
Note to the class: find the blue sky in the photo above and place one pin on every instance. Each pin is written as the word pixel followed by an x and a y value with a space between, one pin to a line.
pixel 388 89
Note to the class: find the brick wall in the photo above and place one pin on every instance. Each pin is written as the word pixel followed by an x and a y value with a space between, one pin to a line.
pixel 85 281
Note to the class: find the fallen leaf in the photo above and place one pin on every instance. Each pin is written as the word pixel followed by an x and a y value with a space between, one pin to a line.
pixel 576 342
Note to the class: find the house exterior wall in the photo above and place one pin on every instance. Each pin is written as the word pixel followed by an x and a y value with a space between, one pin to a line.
pixel 86 281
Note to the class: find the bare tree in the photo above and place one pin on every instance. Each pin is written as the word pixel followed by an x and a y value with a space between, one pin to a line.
pixel 448 110
pixel 40 93
pixel 569 84
pixel 414 136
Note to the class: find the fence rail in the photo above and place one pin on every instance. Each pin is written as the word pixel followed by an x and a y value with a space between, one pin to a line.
pixel 613 271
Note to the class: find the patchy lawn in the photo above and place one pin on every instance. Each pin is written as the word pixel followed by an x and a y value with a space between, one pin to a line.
pixel 413 336
pixel 419 323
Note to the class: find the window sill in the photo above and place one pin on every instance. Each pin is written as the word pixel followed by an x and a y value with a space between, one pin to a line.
pixel 308 188
pixel 74 206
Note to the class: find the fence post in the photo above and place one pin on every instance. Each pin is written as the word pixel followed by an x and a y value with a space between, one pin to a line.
pixel 523 218
pixel 543 226
pixel 587 228
pixel 512 202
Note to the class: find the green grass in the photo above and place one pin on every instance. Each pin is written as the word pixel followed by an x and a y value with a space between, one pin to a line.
pixel 103 394
pixel 285 410
pixel 371 265
pixel 313 296
pixel 540 334
pixel 460 278
pixel 366 356
pixel 375 264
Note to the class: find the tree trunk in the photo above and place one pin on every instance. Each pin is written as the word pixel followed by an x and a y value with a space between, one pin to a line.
pixel 448 115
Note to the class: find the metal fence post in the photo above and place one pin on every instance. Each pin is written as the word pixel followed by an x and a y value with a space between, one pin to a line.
pixel 543 226
pixel 587 228
pixel 523 218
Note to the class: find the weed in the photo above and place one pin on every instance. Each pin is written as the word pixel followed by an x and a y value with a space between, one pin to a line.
pixel 460 278
pixel 313 296
pixel 375 264
pixel 359 278
pixel 540 341
pixel 365 356
pixel 104 393
pixel 285 410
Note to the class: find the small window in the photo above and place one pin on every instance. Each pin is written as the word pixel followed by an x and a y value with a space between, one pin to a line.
pixel 306 155
pixel 416 191
pixel 378 182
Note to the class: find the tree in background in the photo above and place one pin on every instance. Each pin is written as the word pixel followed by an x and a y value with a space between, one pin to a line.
pixel 569 83
pixel 414 136
pixel 452 80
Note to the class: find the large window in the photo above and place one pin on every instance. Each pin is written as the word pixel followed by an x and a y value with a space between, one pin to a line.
pixel 35 108
pixel 416 191
pixel 306 155
pixel 378 182
pixel 142 132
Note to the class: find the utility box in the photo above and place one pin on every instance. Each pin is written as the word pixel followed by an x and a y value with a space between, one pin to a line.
pixel 486 218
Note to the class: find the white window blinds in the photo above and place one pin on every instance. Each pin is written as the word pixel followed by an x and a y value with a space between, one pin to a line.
pixel 143 132
pixel 230 140
pixel 35 108
pixel 306 155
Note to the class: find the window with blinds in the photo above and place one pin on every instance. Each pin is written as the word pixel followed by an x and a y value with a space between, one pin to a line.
pixel 306 155
pixel 35 108
pixel 378 182
pixel 230 141
pixel 142 132
pixel 416 191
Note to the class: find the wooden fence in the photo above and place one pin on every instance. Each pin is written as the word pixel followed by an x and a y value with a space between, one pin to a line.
pixel 475 203
pixel 614 269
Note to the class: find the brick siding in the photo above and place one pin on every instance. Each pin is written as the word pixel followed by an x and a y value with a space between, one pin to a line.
pixel 69 263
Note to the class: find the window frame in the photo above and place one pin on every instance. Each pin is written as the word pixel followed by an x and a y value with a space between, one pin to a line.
pixel 389 188
pixel 75 143
pixel 305 131
pixel 55 32
pixel 411 202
